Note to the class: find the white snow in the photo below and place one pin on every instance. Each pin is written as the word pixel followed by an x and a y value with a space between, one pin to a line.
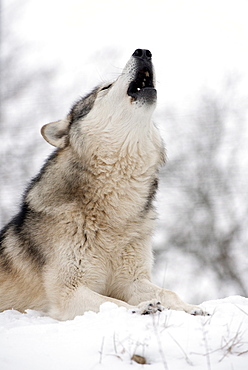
pixel 108 340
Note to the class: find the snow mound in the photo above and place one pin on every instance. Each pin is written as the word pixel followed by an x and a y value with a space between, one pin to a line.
pixel 116 338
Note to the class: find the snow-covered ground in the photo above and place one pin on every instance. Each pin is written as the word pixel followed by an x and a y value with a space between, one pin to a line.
pixel 116 339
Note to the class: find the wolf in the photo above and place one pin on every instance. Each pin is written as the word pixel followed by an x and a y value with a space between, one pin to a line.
pixel 82 236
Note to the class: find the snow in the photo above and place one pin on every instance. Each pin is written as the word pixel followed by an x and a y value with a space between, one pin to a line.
pixel 110 339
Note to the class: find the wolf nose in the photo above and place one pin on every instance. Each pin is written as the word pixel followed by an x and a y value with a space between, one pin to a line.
pixel 142 54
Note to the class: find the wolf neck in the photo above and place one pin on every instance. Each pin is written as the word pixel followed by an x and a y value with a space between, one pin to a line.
pixel 112 142
pixel 99 168
pixel 79 183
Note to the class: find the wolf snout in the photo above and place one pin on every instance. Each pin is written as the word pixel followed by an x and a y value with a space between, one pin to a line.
pixel 142 54
pixel 142 88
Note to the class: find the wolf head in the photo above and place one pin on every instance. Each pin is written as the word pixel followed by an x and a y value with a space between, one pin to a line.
pixel 112 111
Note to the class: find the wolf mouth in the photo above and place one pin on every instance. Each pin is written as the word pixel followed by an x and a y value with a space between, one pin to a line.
pixel 143 80
pixel 142 85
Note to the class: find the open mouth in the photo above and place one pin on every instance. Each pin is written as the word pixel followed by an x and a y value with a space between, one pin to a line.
pixel 142 85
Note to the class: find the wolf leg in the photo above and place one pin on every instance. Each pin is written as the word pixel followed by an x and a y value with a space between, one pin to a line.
pixel 79 301
pixel 144 294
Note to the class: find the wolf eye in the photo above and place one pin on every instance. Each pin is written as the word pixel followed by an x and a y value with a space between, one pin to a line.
pixel 106 87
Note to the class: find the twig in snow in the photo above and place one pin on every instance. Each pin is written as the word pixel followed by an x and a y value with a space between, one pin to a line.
pixel 241 309
pixel 101 351
pixel 114 342
pixel 231 344
pixel 160 345
pixel 181 348
pixel 206 344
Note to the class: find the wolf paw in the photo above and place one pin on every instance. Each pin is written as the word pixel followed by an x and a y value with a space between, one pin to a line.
pixel 197 310
pixel 149 307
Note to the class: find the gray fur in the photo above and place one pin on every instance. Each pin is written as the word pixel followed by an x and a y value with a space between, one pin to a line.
pixel 83 233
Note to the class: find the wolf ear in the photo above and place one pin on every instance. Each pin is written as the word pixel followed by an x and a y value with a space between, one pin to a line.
pixel 56 133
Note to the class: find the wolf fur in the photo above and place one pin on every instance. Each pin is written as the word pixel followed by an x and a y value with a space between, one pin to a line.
pixel 83 233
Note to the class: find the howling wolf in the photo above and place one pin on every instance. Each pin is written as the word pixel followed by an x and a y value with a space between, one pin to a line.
pixel 82 236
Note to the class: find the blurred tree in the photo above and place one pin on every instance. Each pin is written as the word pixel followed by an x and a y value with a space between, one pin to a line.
pixel 25 97
pixel 208 179
pixel 30 97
